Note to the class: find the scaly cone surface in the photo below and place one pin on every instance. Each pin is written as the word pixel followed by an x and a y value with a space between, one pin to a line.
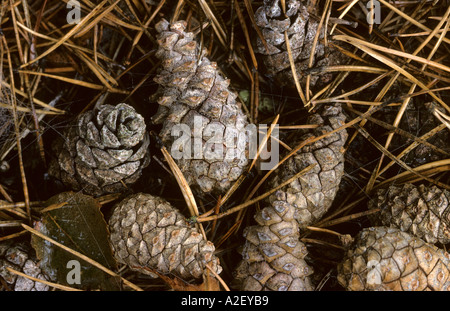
pixel 148 232
pixel 103 150
pixel 423 211
pixel 202 125
pixel 273 256
pixel 385 258
pixel 301 29
pixel 313 193
pixel 20 257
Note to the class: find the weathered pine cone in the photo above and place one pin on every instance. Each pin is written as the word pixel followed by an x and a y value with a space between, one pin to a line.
pixel 148 233
pixel 422 211
pixel 196 103
pixel 385 258
pixel 20 257
pixel 273 256
pixel 313 193
pixel 103 151
pixel 301 29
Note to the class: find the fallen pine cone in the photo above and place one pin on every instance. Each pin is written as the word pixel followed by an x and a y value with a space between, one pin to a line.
pixel 301 29
pixel 148 233
pixel 103 151
pixel 422 211
pixel 313 193
pixel 195 102
pixel 388 259
pixel 21 258
pixel 273 256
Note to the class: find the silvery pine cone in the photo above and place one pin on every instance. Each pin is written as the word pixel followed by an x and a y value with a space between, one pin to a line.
pixel 273 256
pixel 385 258
pixel 103 151
pixel 147 233
pixel 301 29
pixel 202 125
pixel 20 257
pixel 313 193
pixel 423 211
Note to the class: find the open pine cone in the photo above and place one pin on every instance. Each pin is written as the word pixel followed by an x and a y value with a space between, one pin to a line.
pixel 273 256
pixel 103 151
pixel 195 102
pixel 148 233
pixel 20 257
pixel 313 193
pixel 388 259
pixel 301 29
pixel 423 211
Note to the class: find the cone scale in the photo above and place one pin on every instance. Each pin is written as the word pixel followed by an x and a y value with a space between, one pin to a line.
pixel 301 28
pixel 103 151
pixel 273 255
pixel 148 233
pixel 423 211
pixel 20 257
pixel 385 258
pixel 313 193
pixel 202 125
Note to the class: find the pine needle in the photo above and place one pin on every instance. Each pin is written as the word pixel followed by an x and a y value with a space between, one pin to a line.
pixel 73 31
pixel 184 187
pixel 81 256
pixel 253 201
pixel 55 285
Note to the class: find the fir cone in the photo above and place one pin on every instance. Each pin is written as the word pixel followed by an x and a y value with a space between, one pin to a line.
pixel 301 29
pixel 103 151
pixel 20 257
pixel 273 256
pixel 195 102
pixel 313 193
pixel 422 211
pixel 388 259
pixel 147 232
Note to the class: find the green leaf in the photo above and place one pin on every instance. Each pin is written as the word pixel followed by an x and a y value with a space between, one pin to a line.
pixel 79 225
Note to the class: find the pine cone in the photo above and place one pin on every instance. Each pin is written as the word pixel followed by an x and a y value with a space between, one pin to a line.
pixel 148 232
pixel 194 99
pixel 313 193
pixel 301 29
pixel 104 150
pixel 388 259
pixel 273 256
pixel 20 257
pixel 422 211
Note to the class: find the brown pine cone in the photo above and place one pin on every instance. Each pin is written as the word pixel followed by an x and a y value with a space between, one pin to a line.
pixel 422 211
pixel 273 256
pixel 195 102
pixel 388 259
pixel 301 29
pixel 147 232
pixel 103 151
pixel 20 257
pixel 313 193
